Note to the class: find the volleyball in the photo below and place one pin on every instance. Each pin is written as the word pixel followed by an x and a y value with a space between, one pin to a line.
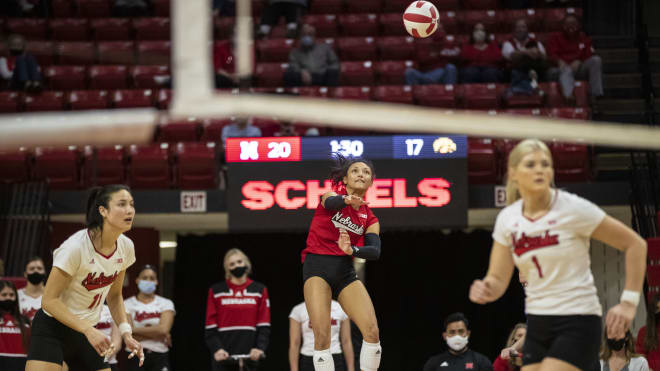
pixel 421 19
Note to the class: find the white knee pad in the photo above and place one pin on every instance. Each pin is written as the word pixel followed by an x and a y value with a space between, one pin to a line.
pixel 370 356
pixel 323 360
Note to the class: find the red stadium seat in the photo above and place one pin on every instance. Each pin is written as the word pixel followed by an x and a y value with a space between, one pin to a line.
pixel 552 18
pixel 443 96
pixel 143 76
pixel 30 28
pixel 43 51
pixel 578 113
pixel 133 98
pixel 356 48
pixel 66 77
pixel 197 165
pixel 275 50
pixel 393 72
pixel 45 101
pixel 524 101
pixel 108 77
pixel 326 7
pixel 111 29
pixel 150 166
pixel 508 19
pixel 212 130
pixel 482 161
pixel 391 24
pixel 653 249
pixel 556 99
pixel 394 94
pixel 270 74
pixel 571 162
pixel 58 166
pixel 10 101
pixel 653 275
pixel 116 52
pixel 352 92
pixel 357 73
pixel 325 24
pixel 94 8
pixel 310 91
pixel 223 27
pixel 154 52
pixel 480 4
pixel 103 166
pixel 480 96
pixel 62 9
pixel 450 22
pixel 69 29
pixel 161 8
pixel 164 98
pixel 396 47
pixel 489 18
pixel 15 166
pixel 427 51
pixel 152 28
pixel 525 111
pixel 363 6
pixel 180 131
pixel 89 99
pixel 75 52
pixel 359 24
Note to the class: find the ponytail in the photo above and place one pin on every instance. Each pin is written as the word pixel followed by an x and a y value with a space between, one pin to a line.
pixel 512 193
pixel 100 196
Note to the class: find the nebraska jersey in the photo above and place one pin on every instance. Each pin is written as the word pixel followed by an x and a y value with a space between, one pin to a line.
pixel 105 326
pixel 552 252
pixel 92 273
pixel 337 316
pixel 28 305
pixel 11 341
pixel 148 314
pixel 324 231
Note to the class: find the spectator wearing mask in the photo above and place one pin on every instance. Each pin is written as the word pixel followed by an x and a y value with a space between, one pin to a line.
pixel 312 63
pixel 239 128
pixel 237 315
pixel 512 360
pixel 481 58
pixel 459 356
pixel 619 355
pixel 152 316
pixel 14 330
pixel 291 10
pixel 29 297
pixel 131 8
pixel 527 58
pixel 647 337
pixel 573 56
pixel 109 328
pixel 20 68
pixel 437 65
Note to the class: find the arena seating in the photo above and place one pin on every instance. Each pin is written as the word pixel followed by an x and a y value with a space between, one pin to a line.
pixel 109 163
pixel 60 167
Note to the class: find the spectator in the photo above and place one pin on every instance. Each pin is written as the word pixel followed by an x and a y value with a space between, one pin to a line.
pixel 20 68
pixel 14 330
pixel 312 63
pixel 152 316
pixel 459 356
pixel 286 129
pixel 109 328
pixel 29 297
pixel 619 354
pixel 224 8
pixel 240 128
pixel 481 58
pixel 647 337
pixel 312 132
pixel 237 315
pixel 437 66
pixel 131 8
pixel 571 52
pixel 300 355
pixel 291 10
pixel 514 361
pixel 527 58
pixel 224 63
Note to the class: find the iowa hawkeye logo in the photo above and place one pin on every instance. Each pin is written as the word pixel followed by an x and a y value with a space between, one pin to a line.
pixel 91 282
pixel 346 223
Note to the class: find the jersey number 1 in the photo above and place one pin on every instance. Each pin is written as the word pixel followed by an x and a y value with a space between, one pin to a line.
pixel 95 302
pixel 538 266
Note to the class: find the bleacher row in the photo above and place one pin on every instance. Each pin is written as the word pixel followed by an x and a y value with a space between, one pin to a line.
pixel 653 267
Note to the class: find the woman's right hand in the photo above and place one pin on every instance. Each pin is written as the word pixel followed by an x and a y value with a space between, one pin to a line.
pixel 100 342
pixel 220 355
pixel 354 201
pixel 481 292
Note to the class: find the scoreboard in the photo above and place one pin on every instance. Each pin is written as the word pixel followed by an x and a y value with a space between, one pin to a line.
pixel 276 183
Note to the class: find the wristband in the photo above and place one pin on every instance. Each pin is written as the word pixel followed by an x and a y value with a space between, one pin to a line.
pixel 355 249
pixel 630 296
pixel 125 328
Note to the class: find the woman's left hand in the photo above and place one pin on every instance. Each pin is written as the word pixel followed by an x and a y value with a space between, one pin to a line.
pixel 618 320
pixel 344 242
pixel 134 347
pixel 256 354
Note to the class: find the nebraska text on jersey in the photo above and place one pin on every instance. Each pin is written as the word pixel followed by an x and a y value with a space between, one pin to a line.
pixel 91 282
pixel 346 223
pixel 526 243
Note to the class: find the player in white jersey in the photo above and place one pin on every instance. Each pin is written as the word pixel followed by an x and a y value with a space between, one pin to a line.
pixel 152 316
pixel 301 339
pixel 545 232
pixel 29 297
pixel 109 328
pixel 88 269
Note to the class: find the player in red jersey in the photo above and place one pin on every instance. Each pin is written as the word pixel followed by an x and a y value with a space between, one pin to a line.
pixel 343 226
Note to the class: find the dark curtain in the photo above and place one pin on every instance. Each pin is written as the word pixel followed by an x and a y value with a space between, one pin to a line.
pixel 420 278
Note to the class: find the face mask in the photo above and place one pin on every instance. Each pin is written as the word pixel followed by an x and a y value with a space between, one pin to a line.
pixel 615 344
pixel 36 278
pixel 479 36
pixel 238 272
pixel 147 287
pixel 15 52
pixel 307 41
pixel 457 342
pixel 7 304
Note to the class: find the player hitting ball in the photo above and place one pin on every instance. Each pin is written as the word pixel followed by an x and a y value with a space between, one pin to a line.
pixel 88 269
pixel 545 232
